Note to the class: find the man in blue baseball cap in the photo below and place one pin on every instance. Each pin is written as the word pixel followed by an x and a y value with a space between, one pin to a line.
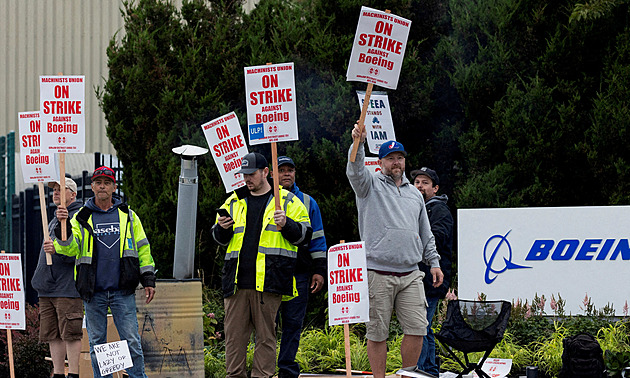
pixel 393 223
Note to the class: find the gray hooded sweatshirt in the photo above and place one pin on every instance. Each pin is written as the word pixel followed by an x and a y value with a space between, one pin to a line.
pixel 393 221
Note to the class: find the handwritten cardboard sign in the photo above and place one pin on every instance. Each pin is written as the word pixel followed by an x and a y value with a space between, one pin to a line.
pixel 378 120
pixel 379 48
pixel 113 357
pixel 36 166
pixel 271 105
pixel 348 295
pixel 227 145
pixel 62 112
pixel 11 292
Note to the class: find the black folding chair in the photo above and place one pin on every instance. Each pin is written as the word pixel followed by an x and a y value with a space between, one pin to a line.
pixel 473 326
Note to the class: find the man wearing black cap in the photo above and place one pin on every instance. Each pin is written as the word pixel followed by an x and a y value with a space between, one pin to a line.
pixel 259 264
pixel 60 307
pixel 309 274
pixel 113 256
pixel 428 183
pixel 394 225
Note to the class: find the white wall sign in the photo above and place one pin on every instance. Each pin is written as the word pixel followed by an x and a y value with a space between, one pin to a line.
pixel 113 357
pixel 379 48
pixel 62 112
pixel 520 252
pixel 11 292
pixel 378 120
pixel 36 166
pixel 271 109
pixel 348 295
pixel 227 145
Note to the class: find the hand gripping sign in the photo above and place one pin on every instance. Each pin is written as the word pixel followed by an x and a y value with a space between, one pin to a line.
pixel 377 54
pixel 378 120
pixel 348 296
pixel 36 166
pixel 225 139
pixel 271 109
pixel 62 111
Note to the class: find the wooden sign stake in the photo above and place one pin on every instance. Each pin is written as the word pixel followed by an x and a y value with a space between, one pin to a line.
pixel 10 351
pixel 366 102
pixel 274 173
pixel 42 206
pixel 62 185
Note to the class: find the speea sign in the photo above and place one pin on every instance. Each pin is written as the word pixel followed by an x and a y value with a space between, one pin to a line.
pixel 571 251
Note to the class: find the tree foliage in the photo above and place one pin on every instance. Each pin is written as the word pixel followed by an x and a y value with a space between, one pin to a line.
pixel 514 103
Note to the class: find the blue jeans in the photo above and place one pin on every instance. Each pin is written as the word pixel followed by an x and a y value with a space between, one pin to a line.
pixel 292 314
pixel 123 308
pixel 426 362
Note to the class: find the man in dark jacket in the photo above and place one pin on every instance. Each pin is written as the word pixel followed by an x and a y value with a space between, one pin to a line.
pixel 310 271
pixel 441 220
pixel 60 306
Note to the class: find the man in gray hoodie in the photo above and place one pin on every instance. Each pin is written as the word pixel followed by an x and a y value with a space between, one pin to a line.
pixel 394 225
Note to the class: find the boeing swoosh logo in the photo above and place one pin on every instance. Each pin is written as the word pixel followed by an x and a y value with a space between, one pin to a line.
pixel 490 257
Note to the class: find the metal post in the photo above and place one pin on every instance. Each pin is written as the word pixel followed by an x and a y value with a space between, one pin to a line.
pixel 186 226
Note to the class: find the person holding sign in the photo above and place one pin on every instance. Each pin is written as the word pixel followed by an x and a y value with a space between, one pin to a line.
pixel 113 255
pixel 309 274
pixel 441 220
pixel 60 306
pixel 259 264
pixel 393 223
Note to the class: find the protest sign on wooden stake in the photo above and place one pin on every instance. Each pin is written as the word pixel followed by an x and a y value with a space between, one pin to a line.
pixel 377 54
pixel 271 110
pixel 36 166
pixel 225 140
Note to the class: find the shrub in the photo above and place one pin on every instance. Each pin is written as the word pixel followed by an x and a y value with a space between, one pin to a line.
pixel 28 353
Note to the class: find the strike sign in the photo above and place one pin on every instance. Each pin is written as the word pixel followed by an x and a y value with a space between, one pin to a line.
pixel 225 139
pixel 348 298
pixel 371 163
pixel 271 109
pixel 62 111
pixel 36 166
pixel 11 292
pixel 379 48
pixel 378 120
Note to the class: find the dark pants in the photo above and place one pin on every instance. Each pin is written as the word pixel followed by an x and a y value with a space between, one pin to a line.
pixel 292 315
pixel 427 362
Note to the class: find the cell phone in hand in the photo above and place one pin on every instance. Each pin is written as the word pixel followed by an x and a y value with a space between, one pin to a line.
pixel 222 212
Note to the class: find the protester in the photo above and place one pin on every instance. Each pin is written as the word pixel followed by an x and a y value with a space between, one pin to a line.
pixel 441 220
pixel 394 225
pixel 259 264
pixel 113 255
pixel 60 306
pixel 310 271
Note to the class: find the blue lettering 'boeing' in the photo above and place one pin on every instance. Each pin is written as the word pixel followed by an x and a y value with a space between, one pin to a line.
pixel 565 249
pixel 490 256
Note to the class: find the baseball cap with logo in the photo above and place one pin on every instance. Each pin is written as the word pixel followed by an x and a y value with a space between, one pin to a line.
pixel 252 162
pixel 70 184
pixel 389 147
pixel 104 172
pixel 282 160
pixel 430 173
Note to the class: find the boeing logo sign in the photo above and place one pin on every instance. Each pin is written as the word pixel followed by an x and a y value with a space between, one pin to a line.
pixel 498 254
pixel 518 253
pixel 498 245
